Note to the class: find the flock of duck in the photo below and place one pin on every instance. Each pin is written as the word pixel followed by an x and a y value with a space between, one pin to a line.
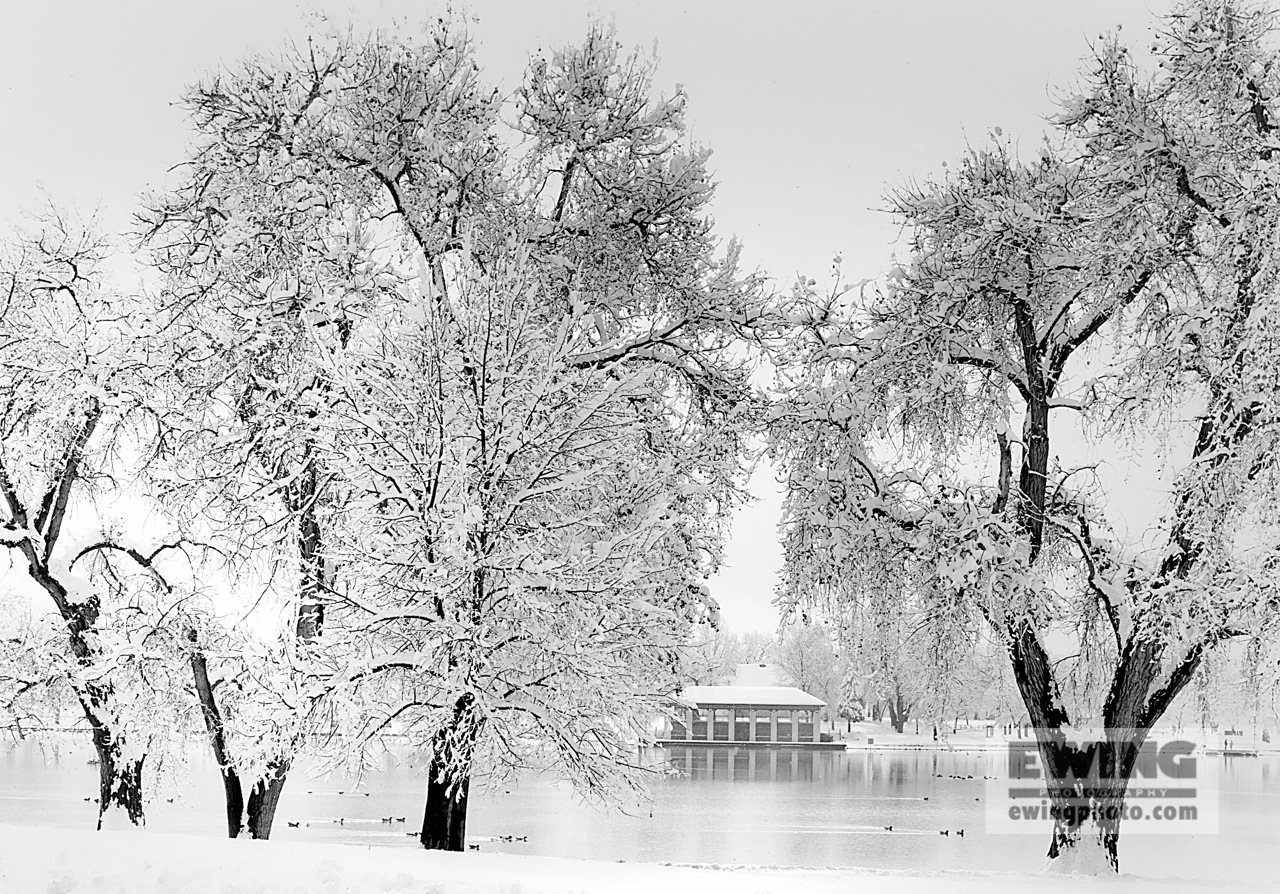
pixel 476 847
pixel 388 820
pixel 959 832
pixel 342 821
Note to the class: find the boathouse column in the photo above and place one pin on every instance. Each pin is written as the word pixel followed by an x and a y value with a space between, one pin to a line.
pixel 753 712
pixel 773 726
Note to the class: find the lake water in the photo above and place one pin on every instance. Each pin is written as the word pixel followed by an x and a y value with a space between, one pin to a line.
pixel 731 805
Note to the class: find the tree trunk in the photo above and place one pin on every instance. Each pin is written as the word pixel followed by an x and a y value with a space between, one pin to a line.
pixel 1085 842
pixel 1087 796
pixel 233 791
pixel 233 795
pixel 264 798
pixel 301 499
pixel 119 779
pixel 444 820
pixel 898 711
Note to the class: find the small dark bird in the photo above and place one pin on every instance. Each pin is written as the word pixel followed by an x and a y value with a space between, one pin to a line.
pixel 294 825
pixel 411 834
pixel 386 819
pixel 399 819
pixel 944 832
pixel 341 821
pixel 888 828
pixel 342 793
pixel 473 847
pixel 926 797
pixel 522 838
pixel 961 833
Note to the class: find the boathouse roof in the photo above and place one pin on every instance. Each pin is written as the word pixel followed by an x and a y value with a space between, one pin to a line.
pixel 770 696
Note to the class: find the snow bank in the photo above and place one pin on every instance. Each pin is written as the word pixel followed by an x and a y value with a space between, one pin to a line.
pixel 56 861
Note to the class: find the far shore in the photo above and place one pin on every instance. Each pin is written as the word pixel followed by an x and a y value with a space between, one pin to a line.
pixel 986 735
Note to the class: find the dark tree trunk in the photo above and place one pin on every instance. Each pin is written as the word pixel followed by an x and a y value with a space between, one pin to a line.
pixel 444 820
pixel 899 711
pixel 233 795
pixel 233 792
pixel 301 499
pixel 1087 792
pixel 264 798
pixel 1087 823
pixel 119 779
pixel 1095 827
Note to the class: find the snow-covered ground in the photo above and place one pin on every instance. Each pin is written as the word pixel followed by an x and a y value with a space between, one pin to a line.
pixel 56 861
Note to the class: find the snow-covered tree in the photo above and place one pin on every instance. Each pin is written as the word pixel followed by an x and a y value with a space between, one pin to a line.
pixel 34 689
pixel 362 186
pixel 714 656
pixel 755 647
pixel 882 667
pixel 530 549
pixel 716 653
pixel 1126 282
pixel 891 646
pixel 81 382
pixel 274 243
pixel 805 656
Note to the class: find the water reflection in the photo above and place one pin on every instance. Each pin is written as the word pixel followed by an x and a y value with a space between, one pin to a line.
pixel 747 764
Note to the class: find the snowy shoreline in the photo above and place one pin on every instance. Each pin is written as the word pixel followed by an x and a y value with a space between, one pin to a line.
pixel 36 860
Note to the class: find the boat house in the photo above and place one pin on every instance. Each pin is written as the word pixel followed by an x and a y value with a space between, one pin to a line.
pixel 744 715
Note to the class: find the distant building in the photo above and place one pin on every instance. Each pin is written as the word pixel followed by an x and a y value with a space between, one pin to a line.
pixel 744 715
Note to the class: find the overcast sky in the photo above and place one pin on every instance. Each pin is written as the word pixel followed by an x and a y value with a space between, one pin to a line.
pixel 812 109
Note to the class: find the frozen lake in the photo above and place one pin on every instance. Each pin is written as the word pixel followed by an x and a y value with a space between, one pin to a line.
pixel 734 805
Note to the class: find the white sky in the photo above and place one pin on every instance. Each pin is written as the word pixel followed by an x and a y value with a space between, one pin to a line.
pixel 812 108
